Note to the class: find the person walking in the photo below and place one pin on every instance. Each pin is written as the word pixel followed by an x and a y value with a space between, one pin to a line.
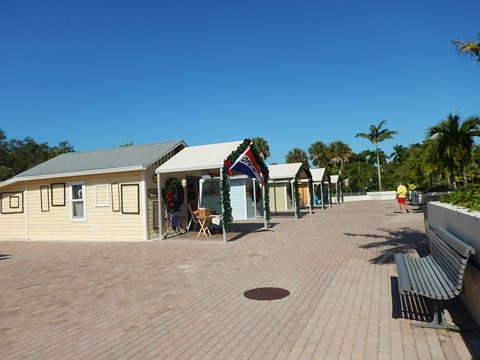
pixel 401 197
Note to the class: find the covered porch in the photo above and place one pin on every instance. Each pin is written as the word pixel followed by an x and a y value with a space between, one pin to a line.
pixel 206 181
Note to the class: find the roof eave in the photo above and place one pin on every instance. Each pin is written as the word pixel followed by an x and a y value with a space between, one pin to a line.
pixel 72 174
pixel 193 168
pixel 180 142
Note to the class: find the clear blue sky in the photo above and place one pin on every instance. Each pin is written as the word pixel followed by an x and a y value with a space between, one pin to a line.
pixel 104 73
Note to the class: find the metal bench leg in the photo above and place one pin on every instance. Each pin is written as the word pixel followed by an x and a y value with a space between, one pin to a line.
pixel 438 321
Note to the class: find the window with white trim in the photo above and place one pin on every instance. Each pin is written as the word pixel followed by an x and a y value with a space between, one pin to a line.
pixel 77 201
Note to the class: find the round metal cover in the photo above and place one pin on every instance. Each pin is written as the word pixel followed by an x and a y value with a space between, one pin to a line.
pixel 266 293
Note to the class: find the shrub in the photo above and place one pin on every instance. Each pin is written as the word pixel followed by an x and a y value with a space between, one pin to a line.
pixel 468 198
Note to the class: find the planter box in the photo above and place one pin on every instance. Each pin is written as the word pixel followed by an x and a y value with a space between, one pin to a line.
pixel 465 225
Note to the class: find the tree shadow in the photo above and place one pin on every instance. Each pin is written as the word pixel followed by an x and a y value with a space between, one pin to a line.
pixel 402 240
pixel 243 229
pixel 291 214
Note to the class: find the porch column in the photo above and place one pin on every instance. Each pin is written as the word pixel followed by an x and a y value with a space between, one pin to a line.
pixel 223 210
pixel 294 199
pixel 254 200
pixel 310 196
pixel 275 196
pixel 321 195
pixel 264 212
pixel 145 206
pixel 160 208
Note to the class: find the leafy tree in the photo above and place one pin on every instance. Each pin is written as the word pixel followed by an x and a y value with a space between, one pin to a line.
pixel 26 153
pixel 262 147
pixel 339 153
pixel 454 142
pixel 5 170
pixel 377 135
pixel 368 156
pixel 399 154
pixel 471 48
pixel 62 148
pixel 359 172
pixel 17 156
pixel 318 154
pixel 430 164
pixel 474 167
pixel 296 155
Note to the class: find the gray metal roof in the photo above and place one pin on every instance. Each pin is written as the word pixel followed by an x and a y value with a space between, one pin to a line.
pixel 99 161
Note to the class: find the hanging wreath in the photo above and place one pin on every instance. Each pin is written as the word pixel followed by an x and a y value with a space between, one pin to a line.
pixel 173 195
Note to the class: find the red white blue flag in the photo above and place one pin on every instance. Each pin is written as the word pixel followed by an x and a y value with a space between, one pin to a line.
pixel 246 164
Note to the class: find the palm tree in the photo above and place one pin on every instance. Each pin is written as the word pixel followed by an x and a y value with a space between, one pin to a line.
pixel 431 163
pixel 377 135
pixel 399 154
pixel 454 141
pixel 262 147
pixel 296 155
pixel 468 48
pixel 339 153
pixel 318 153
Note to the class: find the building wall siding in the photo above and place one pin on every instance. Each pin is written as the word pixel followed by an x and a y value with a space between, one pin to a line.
pixel 104 220
pixel 13 214
pixel 278 193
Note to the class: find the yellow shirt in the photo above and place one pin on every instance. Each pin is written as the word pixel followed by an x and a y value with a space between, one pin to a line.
pixel 401 191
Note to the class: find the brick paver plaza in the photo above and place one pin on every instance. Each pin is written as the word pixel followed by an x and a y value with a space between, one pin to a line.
pixel 184 299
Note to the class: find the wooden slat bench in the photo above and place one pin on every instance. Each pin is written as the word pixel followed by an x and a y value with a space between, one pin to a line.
pixel 437 276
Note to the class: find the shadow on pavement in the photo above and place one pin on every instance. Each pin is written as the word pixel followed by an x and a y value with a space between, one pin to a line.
pixel 395 241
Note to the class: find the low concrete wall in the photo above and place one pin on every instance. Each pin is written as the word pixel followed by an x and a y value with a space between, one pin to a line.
pixel 374 195
pixel 466 226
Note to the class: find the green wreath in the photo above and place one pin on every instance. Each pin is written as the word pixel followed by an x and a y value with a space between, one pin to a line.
pixel 173 195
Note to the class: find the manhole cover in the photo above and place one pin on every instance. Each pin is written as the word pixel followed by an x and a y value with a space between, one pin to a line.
pixel 266 293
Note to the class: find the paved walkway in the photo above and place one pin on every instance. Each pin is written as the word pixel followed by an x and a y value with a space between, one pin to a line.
pixel 184 299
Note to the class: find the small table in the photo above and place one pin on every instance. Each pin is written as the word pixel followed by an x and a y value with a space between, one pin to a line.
pixel 204 222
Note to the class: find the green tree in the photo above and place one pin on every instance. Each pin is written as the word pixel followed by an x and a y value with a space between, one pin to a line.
pixel 471 48
pixel 376 135
pixel 5 170
pixel 399 154
pixel 17 156
pixel 62 148
pixel 318 154
pixel 360 172
pixel 430 164
pixel 474 166
pixel 26 153
pixel 454 142
pixel 296 155
pixel 339 153
pixel 262 147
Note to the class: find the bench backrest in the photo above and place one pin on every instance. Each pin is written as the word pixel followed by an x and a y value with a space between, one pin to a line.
pixel 451 254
